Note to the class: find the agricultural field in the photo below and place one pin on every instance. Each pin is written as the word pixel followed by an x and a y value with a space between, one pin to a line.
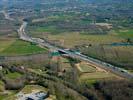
pixel 18 47
pixel 69 41
pixel 60 22
pixel 4 43
pixel 125 33
pixel 93 73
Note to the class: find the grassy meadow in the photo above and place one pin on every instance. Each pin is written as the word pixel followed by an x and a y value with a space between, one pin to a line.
pixel 18 47
pixel 14 75
pixel 126 33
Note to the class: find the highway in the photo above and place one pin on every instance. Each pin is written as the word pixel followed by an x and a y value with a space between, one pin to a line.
pixel 7 16
pixel 23 36
pixel 119 71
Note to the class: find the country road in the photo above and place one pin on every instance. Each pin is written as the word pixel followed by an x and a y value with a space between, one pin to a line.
pixel 24 36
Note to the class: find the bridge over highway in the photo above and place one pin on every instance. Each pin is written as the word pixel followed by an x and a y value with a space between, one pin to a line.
pixel 23 36
pixel 104 65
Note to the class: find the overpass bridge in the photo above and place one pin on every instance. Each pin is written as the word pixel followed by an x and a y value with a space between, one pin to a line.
pixel 23 36
pixel 42 43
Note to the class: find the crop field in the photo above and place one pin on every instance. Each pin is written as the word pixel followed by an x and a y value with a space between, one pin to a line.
pixel 19 47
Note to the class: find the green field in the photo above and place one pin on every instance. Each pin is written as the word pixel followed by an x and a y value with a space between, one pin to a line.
pixel 49 29
pixel 13 75
pixel 53 18
pixel 19 47
pixel 5 43
pixel 125 33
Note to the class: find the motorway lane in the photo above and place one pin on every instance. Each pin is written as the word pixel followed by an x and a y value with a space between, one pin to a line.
pixel 23 36
pixel 104 65
pixel 7 16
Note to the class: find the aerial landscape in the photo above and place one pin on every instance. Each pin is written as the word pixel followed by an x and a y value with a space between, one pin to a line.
pixel 66 49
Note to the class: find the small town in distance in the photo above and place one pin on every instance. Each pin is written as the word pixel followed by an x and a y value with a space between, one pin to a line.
pixel 66 50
